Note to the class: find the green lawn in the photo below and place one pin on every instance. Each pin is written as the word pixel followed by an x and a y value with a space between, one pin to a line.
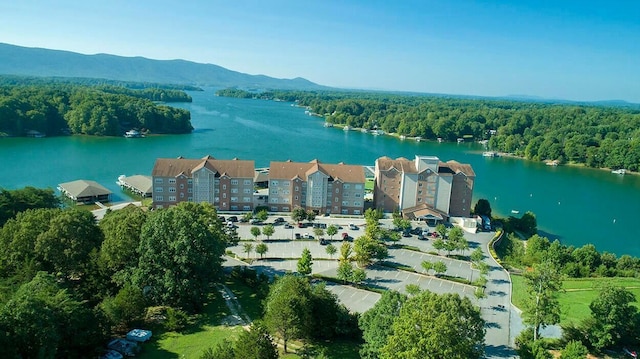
pixel 577 295
pixel 206 332
pixel 368 184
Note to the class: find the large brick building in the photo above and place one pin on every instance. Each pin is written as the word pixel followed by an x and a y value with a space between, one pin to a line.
pixel 226 184
pixel 324 188
pixel 439 189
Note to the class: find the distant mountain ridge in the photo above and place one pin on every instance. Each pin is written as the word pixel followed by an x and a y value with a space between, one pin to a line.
pixel 19 60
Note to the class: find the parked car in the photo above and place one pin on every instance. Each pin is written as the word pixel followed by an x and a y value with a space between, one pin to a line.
pixel 298 236
pixel 353 227
pixel 288 226
pixel 307 236
pixel 231 224
pixel 323 242
pixel 255 221
pixel 416 230
pixel 232 219
pixel 222 219
pixel 124 347
pixel 435 235
pixel 422 237
pixel 278 220
pixel 406 234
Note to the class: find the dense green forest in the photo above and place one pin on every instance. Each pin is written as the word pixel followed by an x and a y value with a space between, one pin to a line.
pixel 57 109
pixel 570 133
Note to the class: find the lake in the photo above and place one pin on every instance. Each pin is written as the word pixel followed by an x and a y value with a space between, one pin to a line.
pixel 576 205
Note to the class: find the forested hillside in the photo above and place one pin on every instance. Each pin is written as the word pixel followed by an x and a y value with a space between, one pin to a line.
pixel 592 135
pixel 57 109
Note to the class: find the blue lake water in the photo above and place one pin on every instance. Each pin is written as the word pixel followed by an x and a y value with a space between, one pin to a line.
pixel 576 205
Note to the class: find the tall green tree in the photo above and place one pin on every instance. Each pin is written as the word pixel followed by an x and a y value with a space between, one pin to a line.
pixel 305 262
pixel 15 201
pixel 247 248
pixel 268 230
pixel 436 326
pixel 614 319
pixel 331 250
pixel 332 230
pixel 298 214
pixel 288 308
pixel 119 250
pixel 255 343
pixel 179 258
pixel 376 323
pixel 262 249
pixel 255 232
pixel 541 307
pixel 482 208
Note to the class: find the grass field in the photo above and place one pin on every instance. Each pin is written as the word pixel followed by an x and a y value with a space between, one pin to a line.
pixel 577 295
pixel 206 331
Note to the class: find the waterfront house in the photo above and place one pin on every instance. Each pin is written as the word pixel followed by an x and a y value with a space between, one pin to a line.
pixel 321 187
pixel 424 183
pixel 226 184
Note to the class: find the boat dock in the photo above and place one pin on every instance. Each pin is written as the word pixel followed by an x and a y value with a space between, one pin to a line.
pixel 138 184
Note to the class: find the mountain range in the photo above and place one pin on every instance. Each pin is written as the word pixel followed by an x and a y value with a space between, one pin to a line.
pixel 28 61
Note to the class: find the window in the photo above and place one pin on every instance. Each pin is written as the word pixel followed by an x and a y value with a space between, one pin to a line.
pixel 345 195
pixel 358 186
pixel 286 191
pixel 358 195
pixel 356 211
pixel 158 180
pixel 190 190
pixel 296 198
pixel 224 195
pixel 181 185
pixel 246 208
pixel 190 199
pixel 234 182
pixel 246 199
pixel 335 208
pixel 234 208
pixel 337 190
pixel 274 200
pixel 217 181
pixel 357 204
pixel 172 189
pixel 274 183
pixel 346 186
pixel 234 190
pixel 181 195
pixel 189 181
pixel 285 200
pixel 247 190
pixel 274 209
pixel 217 190
pixel 274 191
pixel 234 199
pixel 159 189
pixel 297 188
pixel 159 198
pixel 224 186
pixel 172 198
pixel 216 199
pixel 247 182
pixel 285 209
pixel 345 203
pixel 172 180
pixel 286 183
pixel 336 200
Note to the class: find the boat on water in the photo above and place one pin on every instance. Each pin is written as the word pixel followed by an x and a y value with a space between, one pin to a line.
pixel 460 140
pixel 418 139
pixel 552 163
pixel 133 134
pixel 489 154
pixel 328 124
pixel 346 128
pixel 515 211
pixel 403 137
pixel 620 171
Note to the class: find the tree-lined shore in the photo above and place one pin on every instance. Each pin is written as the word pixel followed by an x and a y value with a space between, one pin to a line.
pixel 596 136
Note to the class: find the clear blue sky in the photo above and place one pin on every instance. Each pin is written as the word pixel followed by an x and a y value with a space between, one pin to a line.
pixel 576 50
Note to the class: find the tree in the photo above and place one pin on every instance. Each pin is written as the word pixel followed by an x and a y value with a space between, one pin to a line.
pixel 358 276
pixel 298 214
pixel 401 223
pixel 439 267
pixel 528 224
pixel 255 343
pixel 345 252
pixel 427 266
pixel 247 217
pixel 255 232
pixel 288 308
pixel 366 249
pixel 262 249
pixel 247 248
pixel 16 201
pixel 311 215
pixel 345 271
pixel 125 308
pixel 542 307
pixel 179 258
pixel 476 256
pixel 376 323
pixel 441 229
pixel 438 245
pixel 574 350
pixel 268 230
pixel 305 262
pixel 436 326
pixel 121 229
pixel 482 208
pixel 224 350
pixel 330 318
pixel 262 215
pixel 413 289
pixel 331 250
pixel 332 230
pixel 614 318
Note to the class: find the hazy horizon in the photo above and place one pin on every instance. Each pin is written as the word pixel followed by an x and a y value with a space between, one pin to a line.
pixel 577 51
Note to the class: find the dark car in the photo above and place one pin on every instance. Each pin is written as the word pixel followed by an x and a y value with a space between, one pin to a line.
pixel 353 227
pixel 406 234
pixel 416 231
pixel 222 219
pixel 288 226
pixel 422 237
pixel 278 220
pixel 232 219
pixel 323 242
pixel 298 236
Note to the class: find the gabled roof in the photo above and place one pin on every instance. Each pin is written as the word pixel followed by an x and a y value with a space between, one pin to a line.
pixel 290 170
pixel 456 167
pixel 173 167
pixel 84 188
pixel 407 166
